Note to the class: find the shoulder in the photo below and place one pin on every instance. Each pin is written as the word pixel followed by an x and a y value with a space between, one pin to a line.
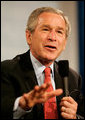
pixel 6 64
pixel 11 64
pixel 74 73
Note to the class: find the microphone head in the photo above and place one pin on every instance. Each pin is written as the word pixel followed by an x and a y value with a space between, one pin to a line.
pixel 63 68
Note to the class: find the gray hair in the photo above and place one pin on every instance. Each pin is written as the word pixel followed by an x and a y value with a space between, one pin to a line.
pixel 32 21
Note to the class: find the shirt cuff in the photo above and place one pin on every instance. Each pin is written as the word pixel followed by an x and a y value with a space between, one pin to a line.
pixel 18 112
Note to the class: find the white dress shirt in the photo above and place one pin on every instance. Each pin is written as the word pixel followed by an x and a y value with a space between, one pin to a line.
pixel 39 71
pixel 38 68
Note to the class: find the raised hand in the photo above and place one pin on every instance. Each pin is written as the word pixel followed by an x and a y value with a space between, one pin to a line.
pixel 38 95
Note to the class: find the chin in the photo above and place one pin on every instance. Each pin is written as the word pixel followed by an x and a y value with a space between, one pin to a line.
pixel 50 58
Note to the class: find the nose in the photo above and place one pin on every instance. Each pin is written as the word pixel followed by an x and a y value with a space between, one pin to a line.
pixel 52 36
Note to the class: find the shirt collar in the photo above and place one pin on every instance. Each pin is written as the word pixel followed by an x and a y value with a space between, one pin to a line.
pixel 38 67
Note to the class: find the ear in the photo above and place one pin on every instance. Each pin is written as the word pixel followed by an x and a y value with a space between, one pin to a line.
pixel 28 37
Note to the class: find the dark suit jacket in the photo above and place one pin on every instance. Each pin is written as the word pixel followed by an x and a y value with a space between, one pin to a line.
pixel 18 77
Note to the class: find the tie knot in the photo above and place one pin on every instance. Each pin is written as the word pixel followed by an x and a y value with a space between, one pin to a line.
pixel 47 71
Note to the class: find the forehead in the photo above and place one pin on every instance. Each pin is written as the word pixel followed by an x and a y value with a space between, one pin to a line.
pixel 51 18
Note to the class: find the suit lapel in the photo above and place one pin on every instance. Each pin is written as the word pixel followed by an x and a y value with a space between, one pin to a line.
pixel 30 79
pixel 58 84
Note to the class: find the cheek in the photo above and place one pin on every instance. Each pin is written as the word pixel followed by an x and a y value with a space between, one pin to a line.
pixel 40 40
pixel 36 43
pixel 62 43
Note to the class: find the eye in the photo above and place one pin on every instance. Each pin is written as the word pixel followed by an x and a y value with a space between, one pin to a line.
pixel 45 29
pixel 59 31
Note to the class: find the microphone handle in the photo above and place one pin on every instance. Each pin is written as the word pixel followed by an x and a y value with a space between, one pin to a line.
pixel 65 79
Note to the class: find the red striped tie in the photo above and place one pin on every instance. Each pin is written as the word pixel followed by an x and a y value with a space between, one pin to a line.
pixel 50 107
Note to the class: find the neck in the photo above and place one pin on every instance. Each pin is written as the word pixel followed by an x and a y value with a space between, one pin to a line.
pixel 46 63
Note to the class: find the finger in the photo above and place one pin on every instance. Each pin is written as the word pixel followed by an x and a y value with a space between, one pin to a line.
pixel 42 87
pixel 36 93
pixel 41 100
pixel 47 95
pixel 65 104
pixel 69 99
pixel 54 93
pixel 67 116
pixel 63 109
pixel 29 99
pixel 39 90
pixel 68 110
pixel 26 97
pixel 69 106
pixel 69 102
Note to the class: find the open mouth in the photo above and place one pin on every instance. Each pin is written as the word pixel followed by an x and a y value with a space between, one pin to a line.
pixel 51 47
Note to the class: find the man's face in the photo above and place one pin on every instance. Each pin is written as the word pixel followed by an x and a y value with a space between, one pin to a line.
pixel 49 38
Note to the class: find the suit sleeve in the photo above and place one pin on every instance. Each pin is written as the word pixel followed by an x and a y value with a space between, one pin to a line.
pixel 76 93
pixel 80 100
pixel 11 89
pixel 7 95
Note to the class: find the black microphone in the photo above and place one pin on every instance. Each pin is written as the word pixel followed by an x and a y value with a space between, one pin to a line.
pixel 64 70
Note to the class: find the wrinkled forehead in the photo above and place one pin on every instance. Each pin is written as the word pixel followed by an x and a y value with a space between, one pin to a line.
pixel 51 19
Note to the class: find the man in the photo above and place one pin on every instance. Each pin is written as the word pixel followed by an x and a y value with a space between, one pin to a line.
pixel 24 92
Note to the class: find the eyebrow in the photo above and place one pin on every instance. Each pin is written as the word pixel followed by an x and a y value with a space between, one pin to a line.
pixel 45 26
pixel 60 28
pixel 48 26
